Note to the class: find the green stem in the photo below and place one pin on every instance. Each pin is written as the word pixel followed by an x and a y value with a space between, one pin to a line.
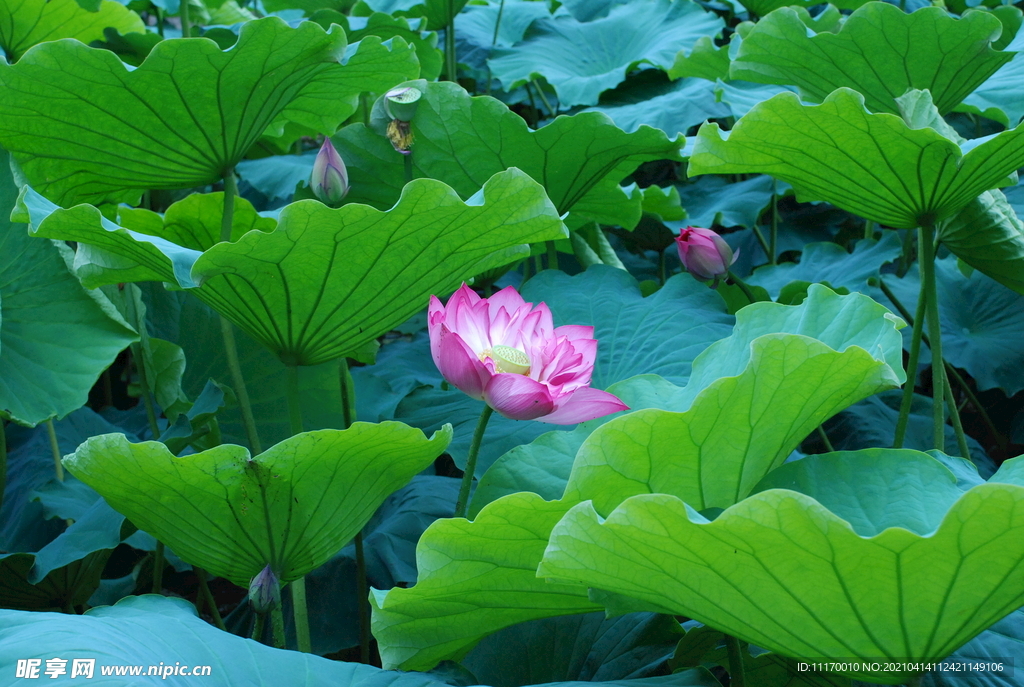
pixel 954 412
pixel 537 267
pixel 58 467
pixel 662 273
pixel 925 237
pixel 348 413
pixel 774 245
pixel 552 255
pixel 869 228
pixel 825 439
pixel 474 450
pixel 3 460
pixel 227 330
pixel 158 568
pixel 497 23
pixel 915 354
pixel 533 106
pixel 743 287
pixel 294 400
pixel 204 589
pixel 259 620
pixel 451 62
pixel 544 99
pixel 277 626
pixel 760 239
pixel 737 678
pixel 301 615
pixel 526 272
pixel 362 593
pixel 407 161
pixel 186 22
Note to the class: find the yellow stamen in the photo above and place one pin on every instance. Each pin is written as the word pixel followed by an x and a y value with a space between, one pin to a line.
pixel 508 359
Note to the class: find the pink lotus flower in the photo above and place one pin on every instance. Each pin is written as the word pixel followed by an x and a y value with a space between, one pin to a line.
pixel 503 351
pixel 704 253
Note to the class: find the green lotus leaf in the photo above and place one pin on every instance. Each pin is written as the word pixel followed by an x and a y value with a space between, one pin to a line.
pixel 760 8
pixel 988 236
pixel 904 565
pixel 998 97
pixel 438 13
pixel 86 129
pixel 464 140
pixel 752 398
pixel 292 507
pixel 583 59
pixel 830 262
pixel 28 22
pixel 742 96
pixel 704 61
pixel 135 631
pixel 474 578
pixel 880 51
pixel 872 164
pixel 713 201
pixel 56 338
pixel 71 585
pixel 385 26
pixel 306 290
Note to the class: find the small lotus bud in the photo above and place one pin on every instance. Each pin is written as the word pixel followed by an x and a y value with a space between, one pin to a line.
pixel 330 178
pixel 401 103
pixel 264 591
pixel 704 253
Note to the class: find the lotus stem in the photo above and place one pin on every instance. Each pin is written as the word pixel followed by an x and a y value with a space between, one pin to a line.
pixel 407 162
pixel 743 287
pixel 825 439
pixel 204 590
pixel 954 412
pixel 300 615
pixel 869 228
pixel 737 678
pixel 452 64
pixel 158 567
pixel 348 414
pixel 227 329
pixel 294 402
pixel 186 23
pixel 58 467
pixel 3 459
pixel 925 238
pixel 915 354
pixel 760 239
pixel 277 626
pixel 662 272
pixel 259 620
pixel 552 255
pixel 773 246
pixel 544 99
pixel 497 23
pixel 474 451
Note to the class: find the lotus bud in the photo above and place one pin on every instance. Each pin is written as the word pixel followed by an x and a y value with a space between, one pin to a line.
pixel 400 105
pixel 265 591
pixel 330 178
pixel 704 253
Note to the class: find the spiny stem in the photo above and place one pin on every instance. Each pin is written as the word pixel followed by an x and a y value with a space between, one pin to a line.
pixel 925 238
pixel 301 615
pixel 227 330
pixel 204 590
pixel 259 620
pixel 277 626
pixel 58 467
pixel 474 450
pixel 737 678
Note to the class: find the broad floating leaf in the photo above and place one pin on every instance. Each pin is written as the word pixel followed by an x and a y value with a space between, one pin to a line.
pixel 292 507
pixel 872 164
pixel 913 568
pixel 56 338
pixel 86 129
pixel 582 59
pixel 880 51
pixel 762 7
pixel 326 282
pixel 464 140
pixel 28 22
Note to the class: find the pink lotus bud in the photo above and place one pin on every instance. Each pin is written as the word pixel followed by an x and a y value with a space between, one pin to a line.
pixel 704 253
pixel 330 178
pixel 507 353
pixel 264 591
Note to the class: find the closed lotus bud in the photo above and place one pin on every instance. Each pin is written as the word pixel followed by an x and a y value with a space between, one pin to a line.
pixel 330 178
pixel 704 253
pixel 265 591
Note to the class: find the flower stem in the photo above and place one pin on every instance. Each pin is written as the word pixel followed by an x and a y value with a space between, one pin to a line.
pixel 774 236
pixel 407 162
pixel 954 416
pixel 300 615
pixel 737 678
pixel 58 467
pixel 186 22
pixel 227 330
pixel 743 287
pixel 348 414
pixel 294 402
pixel 915 354
pixel 760 239
pixel 552 255
pixel 158 567
pixel 869 228
pixel 204 589
pixel 452 64
pixel 927 259
pixel 825 439
pixel 259 620
pixel 544 99
pixel 662 273
pixel 474 450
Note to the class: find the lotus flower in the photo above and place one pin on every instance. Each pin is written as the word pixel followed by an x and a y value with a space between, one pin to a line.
pixel 704 253
pixel 330 178
pixel 505 352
